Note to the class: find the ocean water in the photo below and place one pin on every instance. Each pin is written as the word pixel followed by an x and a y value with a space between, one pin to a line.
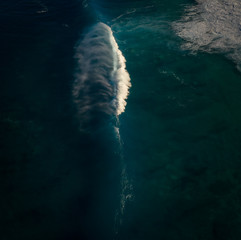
pixel 120 120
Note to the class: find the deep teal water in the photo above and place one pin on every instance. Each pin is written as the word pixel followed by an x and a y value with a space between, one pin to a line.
pixel 167 168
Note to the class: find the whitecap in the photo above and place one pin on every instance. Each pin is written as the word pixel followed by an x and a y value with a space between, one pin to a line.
pixel 101 81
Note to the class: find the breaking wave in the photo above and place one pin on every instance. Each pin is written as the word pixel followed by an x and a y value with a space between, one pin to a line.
pixel 212 26
pixel 101 83
pixel 100 90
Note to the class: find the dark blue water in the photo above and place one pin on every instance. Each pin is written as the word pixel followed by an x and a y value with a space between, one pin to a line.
pixel 120 120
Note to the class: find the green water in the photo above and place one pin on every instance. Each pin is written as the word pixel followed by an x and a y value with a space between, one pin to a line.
pixel 181 132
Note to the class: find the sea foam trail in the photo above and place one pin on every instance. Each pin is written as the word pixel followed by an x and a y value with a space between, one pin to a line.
pixel 101 83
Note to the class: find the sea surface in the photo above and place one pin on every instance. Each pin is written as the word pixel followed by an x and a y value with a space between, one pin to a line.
pixel 120 120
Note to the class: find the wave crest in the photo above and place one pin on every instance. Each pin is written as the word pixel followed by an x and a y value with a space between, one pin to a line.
pixel 102 82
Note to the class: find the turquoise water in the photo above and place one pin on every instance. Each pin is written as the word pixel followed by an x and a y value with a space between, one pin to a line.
pixel 181 130
pixel 77 165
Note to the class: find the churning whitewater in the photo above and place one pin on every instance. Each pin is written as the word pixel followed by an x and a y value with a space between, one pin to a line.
pixel 102 82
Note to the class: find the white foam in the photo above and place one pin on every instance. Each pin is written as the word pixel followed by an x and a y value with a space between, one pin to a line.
pixel 101 81
pixel 119 75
